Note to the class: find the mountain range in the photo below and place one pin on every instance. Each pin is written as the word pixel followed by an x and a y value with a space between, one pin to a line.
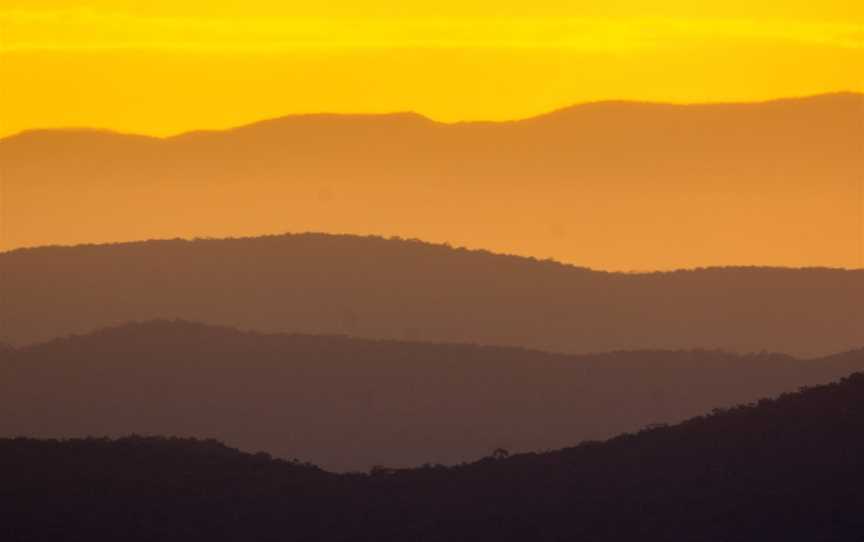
pixel 609 185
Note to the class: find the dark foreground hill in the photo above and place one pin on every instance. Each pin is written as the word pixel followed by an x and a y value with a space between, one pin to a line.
pixel 609 185
pixel 351 404
pixel 399 289
pixel 789 469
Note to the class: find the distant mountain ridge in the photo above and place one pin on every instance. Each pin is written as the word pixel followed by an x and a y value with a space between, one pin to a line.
pixel 612 185
pixel 407 289
pixel 413 116
pixel 790 469
pixel 349 404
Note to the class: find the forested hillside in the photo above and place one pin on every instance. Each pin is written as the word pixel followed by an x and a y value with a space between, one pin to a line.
pixel 788 469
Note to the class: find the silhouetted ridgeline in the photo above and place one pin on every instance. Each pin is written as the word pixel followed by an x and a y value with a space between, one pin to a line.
pixel 790 469
pixel 350 404
pixel 378 288
pixel 610 185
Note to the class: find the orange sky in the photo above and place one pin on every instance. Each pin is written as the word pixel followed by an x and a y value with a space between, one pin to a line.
pixel 161 67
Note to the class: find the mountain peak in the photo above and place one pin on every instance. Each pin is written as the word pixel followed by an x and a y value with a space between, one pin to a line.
pixel 845 99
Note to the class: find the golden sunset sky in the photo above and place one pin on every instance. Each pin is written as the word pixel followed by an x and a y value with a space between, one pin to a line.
pixel 165 66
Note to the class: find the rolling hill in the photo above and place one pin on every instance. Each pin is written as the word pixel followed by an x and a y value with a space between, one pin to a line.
pixel 610 185
pixel 404 289
pixel 350 404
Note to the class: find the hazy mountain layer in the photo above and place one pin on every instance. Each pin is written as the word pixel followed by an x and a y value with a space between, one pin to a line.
pixel 789 469
pixel 611 185
pixel 377 288
pixel 350 404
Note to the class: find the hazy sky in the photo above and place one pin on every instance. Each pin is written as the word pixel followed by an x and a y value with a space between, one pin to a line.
pixel 160 66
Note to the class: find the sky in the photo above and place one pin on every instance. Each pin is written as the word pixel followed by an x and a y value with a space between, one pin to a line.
pixel 162 67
